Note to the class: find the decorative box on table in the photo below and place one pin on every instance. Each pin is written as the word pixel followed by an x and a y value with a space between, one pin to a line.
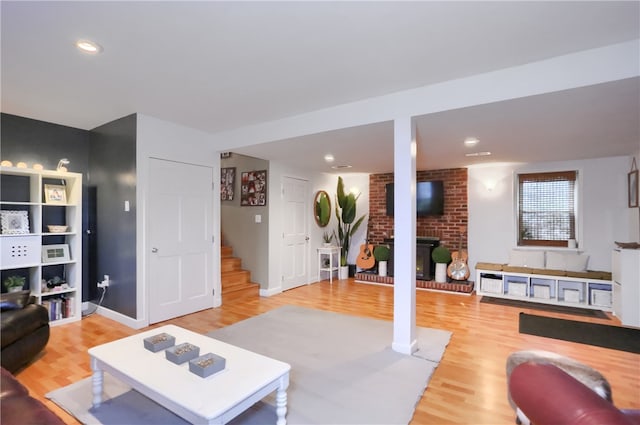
pixel 182 352
pixel 207 364
pixel 159 342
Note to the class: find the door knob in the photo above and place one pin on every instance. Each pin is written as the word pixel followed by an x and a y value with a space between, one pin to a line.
pixel 306 238
pixel 154 250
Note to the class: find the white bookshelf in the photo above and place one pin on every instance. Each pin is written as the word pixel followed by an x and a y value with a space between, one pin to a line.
pixel 23 189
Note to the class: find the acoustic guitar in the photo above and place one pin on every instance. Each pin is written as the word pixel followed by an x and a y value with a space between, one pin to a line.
pixel 365 258
pixel 459 269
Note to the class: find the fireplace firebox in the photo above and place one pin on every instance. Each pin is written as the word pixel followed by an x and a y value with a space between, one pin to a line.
pixel 425 267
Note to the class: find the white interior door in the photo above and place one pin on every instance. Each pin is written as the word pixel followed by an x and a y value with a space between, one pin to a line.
pixel 295 241
pixel 180 244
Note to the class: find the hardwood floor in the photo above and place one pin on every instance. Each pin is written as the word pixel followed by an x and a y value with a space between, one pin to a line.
pixel 468 387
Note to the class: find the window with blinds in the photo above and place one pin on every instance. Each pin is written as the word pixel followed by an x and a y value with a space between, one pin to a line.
pixel 547 208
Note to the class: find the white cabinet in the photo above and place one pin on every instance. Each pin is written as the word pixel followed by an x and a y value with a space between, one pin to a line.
pixel 35 250
pixel 546 289
pixel 626 285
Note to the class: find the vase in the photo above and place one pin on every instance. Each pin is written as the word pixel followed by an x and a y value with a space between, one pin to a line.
pixel 382 268
pixel 343 272
pixel 441 272
pixel 15 289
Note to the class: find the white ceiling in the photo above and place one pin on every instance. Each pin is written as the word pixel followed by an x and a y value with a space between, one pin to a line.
pixel 218 66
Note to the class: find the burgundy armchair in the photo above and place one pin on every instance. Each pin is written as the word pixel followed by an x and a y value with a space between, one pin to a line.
pixel 548 395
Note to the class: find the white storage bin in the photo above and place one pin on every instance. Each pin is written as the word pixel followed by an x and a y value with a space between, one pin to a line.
pixel 572 295
pixel 600 298
pixel 20 251
pixel 541 291
pixel 492 285
pixel 518 289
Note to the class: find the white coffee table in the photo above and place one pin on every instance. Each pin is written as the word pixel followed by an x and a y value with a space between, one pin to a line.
pixel 247 378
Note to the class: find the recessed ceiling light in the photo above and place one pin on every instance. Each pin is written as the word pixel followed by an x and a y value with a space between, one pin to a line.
pixel 478 154
pixel 470 142
pixel 88 46
pixel 329 158
pixel 340 167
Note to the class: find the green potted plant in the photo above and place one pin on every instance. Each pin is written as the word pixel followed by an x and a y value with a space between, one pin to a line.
pixel 327 237
pixel 381 254
pixel 441 256
pixel 14 283
pixel 347 223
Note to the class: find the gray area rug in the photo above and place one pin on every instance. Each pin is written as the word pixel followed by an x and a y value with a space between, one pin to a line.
pixel 343 371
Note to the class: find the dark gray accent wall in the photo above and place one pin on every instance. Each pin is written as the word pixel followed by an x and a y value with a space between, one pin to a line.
pixel 33 141
pixel 112 165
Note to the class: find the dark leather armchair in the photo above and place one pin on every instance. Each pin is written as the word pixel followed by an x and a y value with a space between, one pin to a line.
pixel 24 330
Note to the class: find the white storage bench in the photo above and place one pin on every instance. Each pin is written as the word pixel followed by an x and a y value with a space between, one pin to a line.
pixel 588 289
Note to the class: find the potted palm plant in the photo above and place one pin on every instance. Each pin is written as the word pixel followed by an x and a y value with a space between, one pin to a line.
pixel 441 256
pixel 347 224
pixel 381 254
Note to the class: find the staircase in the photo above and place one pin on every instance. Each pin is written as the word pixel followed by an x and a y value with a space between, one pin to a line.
pixel 236 283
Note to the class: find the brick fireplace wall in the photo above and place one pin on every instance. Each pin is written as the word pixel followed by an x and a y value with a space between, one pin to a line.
pixel 447 227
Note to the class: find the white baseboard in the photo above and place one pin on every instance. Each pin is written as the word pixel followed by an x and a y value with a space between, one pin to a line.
pixel 270 292
pixel 118 317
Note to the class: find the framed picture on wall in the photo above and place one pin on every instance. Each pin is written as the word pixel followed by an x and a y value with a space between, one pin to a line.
pixel 633 188
pixel 227 183
pixel 14 222
pixel 55 253
pixel 55 194
pixel 253 189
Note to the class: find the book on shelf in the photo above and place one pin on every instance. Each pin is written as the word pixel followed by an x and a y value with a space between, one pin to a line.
pixel 59 308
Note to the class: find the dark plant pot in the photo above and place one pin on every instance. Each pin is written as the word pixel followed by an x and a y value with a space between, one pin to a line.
pixel 352 270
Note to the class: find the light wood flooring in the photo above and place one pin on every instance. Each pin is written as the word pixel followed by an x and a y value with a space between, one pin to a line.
pixel 468 387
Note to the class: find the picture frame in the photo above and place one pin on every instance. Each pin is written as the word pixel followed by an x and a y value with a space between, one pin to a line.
pixel 227 183
pixel 253 189
pixel 55 253
pixel 55 194
pixel 632 180
pixel 14 222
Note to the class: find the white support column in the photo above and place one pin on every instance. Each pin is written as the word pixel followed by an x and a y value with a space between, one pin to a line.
pixel 404 247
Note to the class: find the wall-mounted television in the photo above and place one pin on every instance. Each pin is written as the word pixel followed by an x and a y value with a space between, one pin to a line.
pixel 429 198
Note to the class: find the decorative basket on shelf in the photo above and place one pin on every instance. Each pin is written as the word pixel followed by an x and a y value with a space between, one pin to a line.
pixel 57 228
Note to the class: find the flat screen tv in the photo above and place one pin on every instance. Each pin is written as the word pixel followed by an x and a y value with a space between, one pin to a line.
pixel 429 198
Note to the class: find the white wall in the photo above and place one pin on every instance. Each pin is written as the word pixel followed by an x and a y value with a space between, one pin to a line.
pixel 316 181
pixel 165 140
pixel 633 214
pixel 603 204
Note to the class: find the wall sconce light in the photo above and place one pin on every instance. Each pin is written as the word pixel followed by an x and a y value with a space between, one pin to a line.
pixel 490 185
pixel 61 165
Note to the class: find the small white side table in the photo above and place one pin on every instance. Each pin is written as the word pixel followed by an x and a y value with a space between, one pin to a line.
pixel 330 252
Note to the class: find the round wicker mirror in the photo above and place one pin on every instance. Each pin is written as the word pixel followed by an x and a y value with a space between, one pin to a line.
pixel 322 208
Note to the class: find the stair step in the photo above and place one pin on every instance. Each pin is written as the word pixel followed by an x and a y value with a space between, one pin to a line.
pixel 236 283
pixel 249 292
pixel 234 279
pixel 229 264
pixel 226 251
